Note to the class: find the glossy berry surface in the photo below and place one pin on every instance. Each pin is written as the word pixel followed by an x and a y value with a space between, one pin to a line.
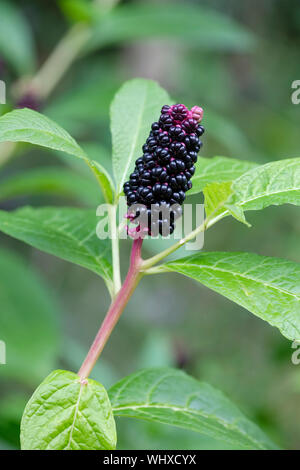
pixel 162 175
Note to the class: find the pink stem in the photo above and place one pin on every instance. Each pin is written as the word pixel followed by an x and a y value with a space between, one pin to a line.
pixel 115 310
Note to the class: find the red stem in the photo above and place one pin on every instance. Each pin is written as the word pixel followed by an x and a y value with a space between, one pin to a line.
pixel 115 310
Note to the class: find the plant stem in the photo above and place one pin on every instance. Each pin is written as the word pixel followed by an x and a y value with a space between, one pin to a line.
pixel 51 72
pixel 132 279
pixel 112 214
pixel 148 263
pixel 62 57
pixel 55 67
pixel 60 60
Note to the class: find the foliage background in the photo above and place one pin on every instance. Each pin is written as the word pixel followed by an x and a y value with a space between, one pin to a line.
pixel 245 89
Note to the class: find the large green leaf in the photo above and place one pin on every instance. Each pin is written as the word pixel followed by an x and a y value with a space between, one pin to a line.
pixel 135 106
pixel 274 183
pixel 65 413
pixel 28 321
pixel 267 287
pixel 25 125
pixel 68 233
pixel 50 180
pixel 218 170
pixel 172 397
pixel 190 23
pixel 16 43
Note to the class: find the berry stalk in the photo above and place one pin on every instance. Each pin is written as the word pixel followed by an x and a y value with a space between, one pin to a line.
pixel 132 279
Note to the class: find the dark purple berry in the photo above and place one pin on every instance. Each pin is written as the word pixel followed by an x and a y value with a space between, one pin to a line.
pixel 200 130
pixel 162 175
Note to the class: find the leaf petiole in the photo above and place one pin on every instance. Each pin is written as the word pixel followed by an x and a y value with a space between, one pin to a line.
pixel 208 222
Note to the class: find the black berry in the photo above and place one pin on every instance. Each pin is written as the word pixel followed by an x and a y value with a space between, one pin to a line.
pixel 162 175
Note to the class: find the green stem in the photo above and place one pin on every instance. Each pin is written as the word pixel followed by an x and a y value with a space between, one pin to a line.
pixel 51 72
pixel 132 279
pixel 137 268
pixel 148 263
pixel 112 214
pixel 55 67
pixel 60 60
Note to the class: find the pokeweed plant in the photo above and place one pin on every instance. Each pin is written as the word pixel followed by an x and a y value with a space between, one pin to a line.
pixel 71 411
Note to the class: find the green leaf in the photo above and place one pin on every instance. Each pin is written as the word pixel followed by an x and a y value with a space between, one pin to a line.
pixel 272 184
pixel 215 197
pixel 202 27
pixel 267 287
pixel 28 321
pixel 65 413
pixel 50 180
pixel 237 213
pixel 26 125
pixel 218 170
pixel 68 233
pixel 16 44
pixel 172 397
pixel 135 106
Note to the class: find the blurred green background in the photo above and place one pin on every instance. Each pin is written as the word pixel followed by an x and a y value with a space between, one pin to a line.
pixel 235 59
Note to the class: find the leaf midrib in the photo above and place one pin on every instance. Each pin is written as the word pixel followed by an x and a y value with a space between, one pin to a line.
pixel 271 286
pixel 261 196
pixel 75 416
pixel 192 412
pixel 134 142
pixel 63 139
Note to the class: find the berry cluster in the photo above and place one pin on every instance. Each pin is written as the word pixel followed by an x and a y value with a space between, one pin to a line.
pixel 162 175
